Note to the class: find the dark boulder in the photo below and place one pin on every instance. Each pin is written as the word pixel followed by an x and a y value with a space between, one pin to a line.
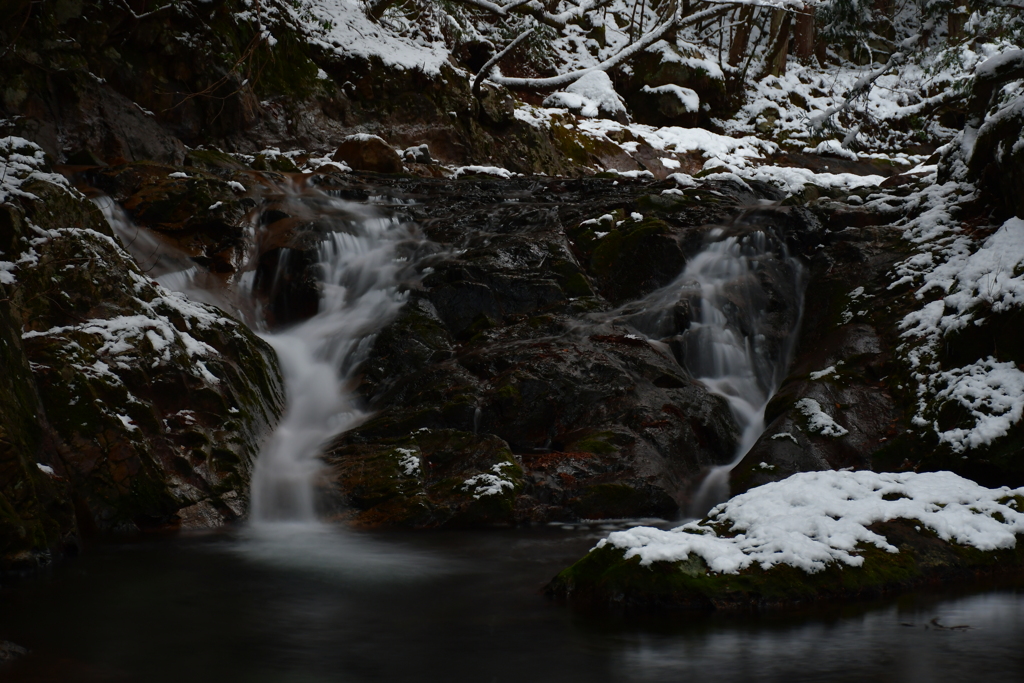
pixel 368 153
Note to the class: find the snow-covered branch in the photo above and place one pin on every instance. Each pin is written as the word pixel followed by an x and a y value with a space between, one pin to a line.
pixel 643 42
pixel 860 88
pixel 497 58
pixel 538 11
pixel 127 7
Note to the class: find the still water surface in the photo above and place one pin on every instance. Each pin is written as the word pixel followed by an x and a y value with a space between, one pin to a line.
pixel 298 604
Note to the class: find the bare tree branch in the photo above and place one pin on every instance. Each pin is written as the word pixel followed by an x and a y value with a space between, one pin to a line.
pixel 624 54
pixel 495 59
pixel 537 10
pixel 860 88
pixel 124 3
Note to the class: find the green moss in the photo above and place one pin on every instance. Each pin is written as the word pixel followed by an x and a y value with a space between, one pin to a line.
pixel 621 245
pixel 509 392
pixel 577 285
pixel 597 443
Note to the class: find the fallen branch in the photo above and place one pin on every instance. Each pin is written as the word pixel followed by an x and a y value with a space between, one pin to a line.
pixel 645 41
pixel 859 89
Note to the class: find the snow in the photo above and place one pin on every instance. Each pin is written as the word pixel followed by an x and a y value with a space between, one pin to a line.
pixel 178 174
pixel 236 186
pixel 349 31
pixel 820 374
pixel 592 94
pixel 152 331
pixel 409 461
pixel 6 273
pixel 22 162
pixel 815 519
pixel 818 421
pixel 487 484
pixel 688 98
pixel 991 391
pixel 486 170
pixel 832 148
pixel 127 422
pixel 326 163
pixel 962 280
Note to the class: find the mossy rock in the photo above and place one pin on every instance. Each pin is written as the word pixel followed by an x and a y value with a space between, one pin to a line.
pixel 605 578
pixel 429 478
pixel 619 501
pixel 155 403
pixel 633 258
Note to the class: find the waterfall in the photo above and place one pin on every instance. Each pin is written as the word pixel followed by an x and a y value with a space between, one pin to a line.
pixel 318 357
pixel 357 268
pixel 724 307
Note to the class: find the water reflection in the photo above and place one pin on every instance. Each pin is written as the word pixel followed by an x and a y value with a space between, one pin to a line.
pixel 286 603
pixel 924 638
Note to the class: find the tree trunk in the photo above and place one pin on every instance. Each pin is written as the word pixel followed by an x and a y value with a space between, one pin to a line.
pixel 956 22
pixel 775 64
pixel 738 49
pixel 803 33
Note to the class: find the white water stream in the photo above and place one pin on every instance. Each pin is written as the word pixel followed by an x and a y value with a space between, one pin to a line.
pixel 724 346
pixel 359 275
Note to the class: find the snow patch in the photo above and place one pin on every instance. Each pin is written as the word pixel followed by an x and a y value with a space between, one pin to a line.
pixel 489 484
pixel 818 421
pixel 814 519
pixel 688 98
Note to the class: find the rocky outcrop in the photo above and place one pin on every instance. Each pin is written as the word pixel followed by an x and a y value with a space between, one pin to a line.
pixel 813 537
pixel 141 408
pixel 512 337
pixel 605 579
pixel 368 153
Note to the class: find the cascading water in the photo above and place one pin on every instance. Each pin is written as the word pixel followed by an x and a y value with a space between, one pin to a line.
pixel 317 357
pixel 724 341
pixel 358 271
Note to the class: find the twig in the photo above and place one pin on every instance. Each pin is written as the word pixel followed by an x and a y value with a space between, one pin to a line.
pixel 124 3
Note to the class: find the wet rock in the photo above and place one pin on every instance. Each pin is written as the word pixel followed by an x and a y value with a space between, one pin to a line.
pixel 661 66
pixel 364 152
pixel 156 403
pixel 204 215
pixel 510 334
pixel 497 106
pixel 844 360
pixel 666 105
pixel 427 478
pixel 37 517
pixel 605 579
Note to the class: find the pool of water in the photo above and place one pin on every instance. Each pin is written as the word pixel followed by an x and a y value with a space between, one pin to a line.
pixel 293 603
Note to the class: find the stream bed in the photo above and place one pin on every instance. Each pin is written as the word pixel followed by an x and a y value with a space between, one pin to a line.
pixel 309 603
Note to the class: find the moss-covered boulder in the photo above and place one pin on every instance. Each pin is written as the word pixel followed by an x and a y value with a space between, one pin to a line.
pixel 812 537
pixel 158 405
pixel 429 478
pixel 37 517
